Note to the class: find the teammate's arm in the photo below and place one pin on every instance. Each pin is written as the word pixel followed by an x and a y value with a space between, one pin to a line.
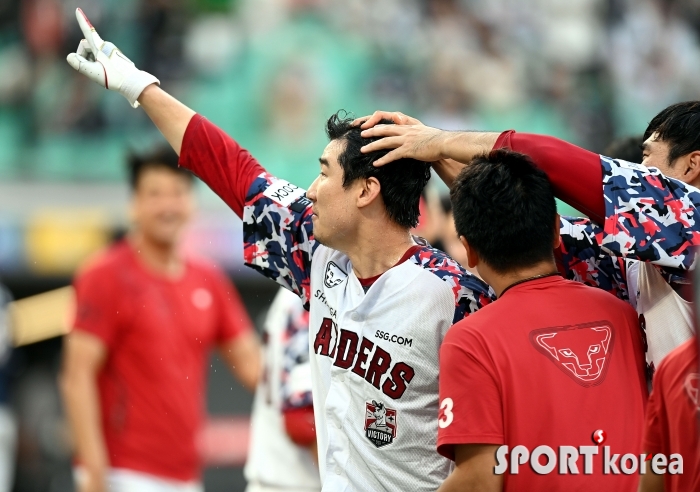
pixel 242 354
pixel 580 258
pixel 574 172
pixel 643 214
pixel 656 430
pixel 474 465
pixel 84 355
pixel 651 482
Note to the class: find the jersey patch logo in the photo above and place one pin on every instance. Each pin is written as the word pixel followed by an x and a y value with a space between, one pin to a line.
pixel 334 275
pixel 692 387
pixel 380 423
pixel 284 192
pixel 581 351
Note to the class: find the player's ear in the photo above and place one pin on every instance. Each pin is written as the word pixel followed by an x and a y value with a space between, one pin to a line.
pixel 557 234
pixel 472 255
pixel 691 163
pixel 370 189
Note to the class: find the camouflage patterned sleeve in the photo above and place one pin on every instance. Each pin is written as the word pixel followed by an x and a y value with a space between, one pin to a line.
pixel 278 233
pixel 296 369
pixel 470 292
pixel 648 216
pixel 582 260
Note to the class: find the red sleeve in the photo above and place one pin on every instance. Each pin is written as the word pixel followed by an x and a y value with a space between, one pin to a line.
pixel 233 318
pixel 575 173
pixel 656 425
pixel 470 399
pixel 300 426
pixel 97 305
pixel 218 160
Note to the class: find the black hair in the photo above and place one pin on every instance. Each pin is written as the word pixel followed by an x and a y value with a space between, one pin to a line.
pixel 626 148
pixel 401 181
pixel 504 206
pixel 679 126
pixel 162 156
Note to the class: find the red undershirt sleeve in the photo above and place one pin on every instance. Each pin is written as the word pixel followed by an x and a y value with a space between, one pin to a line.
pixel 299 424
pixel 575 173
pixel 219 161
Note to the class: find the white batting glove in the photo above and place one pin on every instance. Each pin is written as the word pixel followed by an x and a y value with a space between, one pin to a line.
pixel 102 62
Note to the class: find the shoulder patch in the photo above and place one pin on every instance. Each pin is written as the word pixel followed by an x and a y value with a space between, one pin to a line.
pixel 284 193
pixel 632 166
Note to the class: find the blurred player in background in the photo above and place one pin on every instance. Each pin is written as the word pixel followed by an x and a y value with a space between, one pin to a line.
pixel 8 424
pixel 133 376
pixel 626 148
pixel 672 421
pixel 643 212
pixel 282 455
pixel 568 362
pixel 380 302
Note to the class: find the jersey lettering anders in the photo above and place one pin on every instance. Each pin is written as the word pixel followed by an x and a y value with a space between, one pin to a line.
pixel 348 351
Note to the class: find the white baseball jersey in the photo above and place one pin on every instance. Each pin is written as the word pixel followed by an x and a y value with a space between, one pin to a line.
pixel 374 354
pixel 666 318
pixel 274 461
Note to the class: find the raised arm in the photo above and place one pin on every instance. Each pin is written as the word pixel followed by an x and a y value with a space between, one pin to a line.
pixel 277 226
pixel 169 115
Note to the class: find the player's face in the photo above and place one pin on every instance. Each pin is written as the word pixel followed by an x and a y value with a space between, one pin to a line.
pixel 162 205
pixel 334 207
pixel 655 154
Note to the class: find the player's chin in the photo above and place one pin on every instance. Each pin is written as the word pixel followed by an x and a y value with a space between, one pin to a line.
pixel 319 235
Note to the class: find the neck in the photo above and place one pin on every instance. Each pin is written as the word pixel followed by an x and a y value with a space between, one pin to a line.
pixel 377 249
pixel 501 281
pixel 158 257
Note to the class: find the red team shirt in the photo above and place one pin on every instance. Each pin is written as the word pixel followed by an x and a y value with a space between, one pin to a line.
pixel 158 333
pixel 548 363
pixel 672 413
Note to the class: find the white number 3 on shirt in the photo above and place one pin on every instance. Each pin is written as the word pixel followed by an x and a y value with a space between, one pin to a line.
pixel 446 415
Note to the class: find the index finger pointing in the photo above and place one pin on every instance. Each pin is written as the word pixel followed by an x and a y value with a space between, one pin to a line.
pixel 93 39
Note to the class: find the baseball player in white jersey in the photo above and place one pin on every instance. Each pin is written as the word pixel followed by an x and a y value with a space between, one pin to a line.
pixel 380 300
pixel 279 461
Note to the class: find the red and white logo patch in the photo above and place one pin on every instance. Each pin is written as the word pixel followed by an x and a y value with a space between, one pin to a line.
pixel 380 423
pixel 692 387
pixel 581 351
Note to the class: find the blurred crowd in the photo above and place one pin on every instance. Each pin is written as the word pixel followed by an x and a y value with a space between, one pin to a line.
pixel 268 71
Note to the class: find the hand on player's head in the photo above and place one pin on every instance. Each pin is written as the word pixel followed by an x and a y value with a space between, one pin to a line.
pixel 395 116
pixel 419 142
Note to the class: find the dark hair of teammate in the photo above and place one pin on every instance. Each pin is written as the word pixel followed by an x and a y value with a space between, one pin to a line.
pixel 504 207
pixel 401 181
pixel 626 148
pixel 162 157
pixel 679 126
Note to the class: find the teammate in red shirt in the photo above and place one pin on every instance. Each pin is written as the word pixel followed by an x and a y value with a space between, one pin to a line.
pixel 671 421
pixel 550 362
pixel 134 371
